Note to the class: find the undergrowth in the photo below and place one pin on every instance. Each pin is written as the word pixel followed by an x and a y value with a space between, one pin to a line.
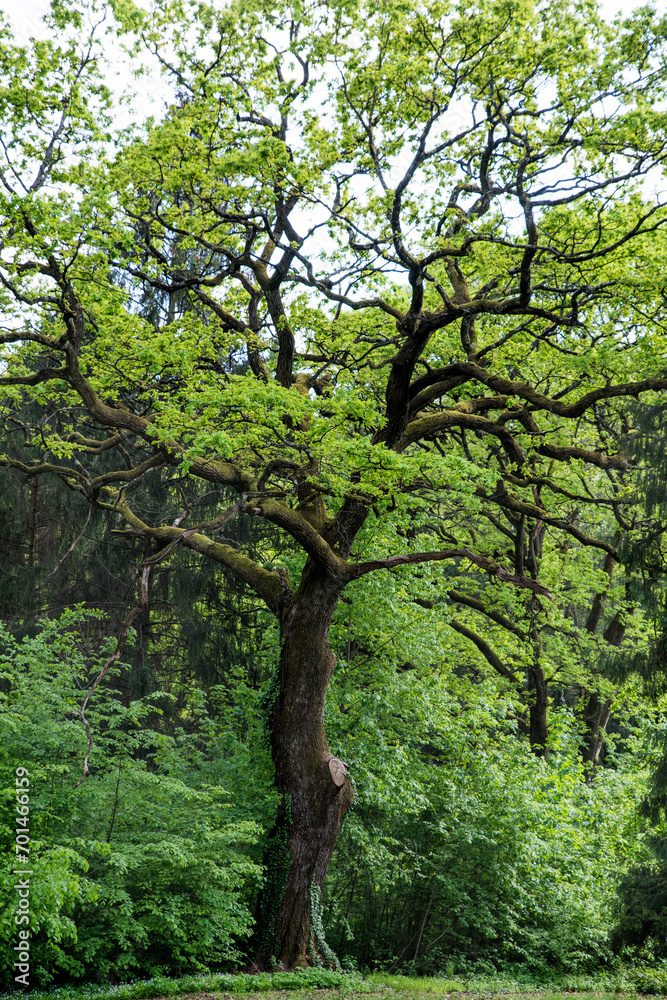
pixel 627 981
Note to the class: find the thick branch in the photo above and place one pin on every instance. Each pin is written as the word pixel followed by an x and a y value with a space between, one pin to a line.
pixel 224 473
pixel 489 654
pixel 434 423
pixel 564 453
pixel 486 563
pixel 597 607
pixel 506 387
pixel 449 377
pixel 503 499
pixel 37 470
pixel 302 531
pixel 270 585
pixel 495 616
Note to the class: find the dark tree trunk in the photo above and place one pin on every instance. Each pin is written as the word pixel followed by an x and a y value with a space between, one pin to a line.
pixel 538 685
pixel 539 703
pixel 597 712
pixel 312 804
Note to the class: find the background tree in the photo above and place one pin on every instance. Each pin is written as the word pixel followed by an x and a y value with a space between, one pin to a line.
pixel 198 626
pixel 410 221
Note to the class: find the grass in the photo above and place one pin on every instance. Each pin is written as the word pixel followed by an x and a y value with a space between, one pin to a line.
pixel 479 988
pixel 625 985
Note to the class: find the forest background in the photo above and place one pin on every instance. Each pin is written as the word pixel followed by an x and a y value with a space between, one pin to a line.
pixel 332 489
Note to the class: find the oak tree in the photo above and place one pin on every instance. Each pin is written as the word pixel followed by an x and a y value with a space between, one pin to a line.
pixel 372 234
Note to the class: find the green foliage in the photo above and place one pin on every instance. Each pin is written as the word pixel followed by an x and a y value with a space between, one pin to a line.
pixel 641 928
pixel 620 985
pixel 306 980
pixel 276 862
pixel 59 552
pixel 321 951
pixel 463 850
pixel 143 868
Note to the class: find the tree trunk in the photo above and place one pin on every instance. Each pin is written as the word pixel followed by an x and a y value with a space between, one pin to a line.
pixel 596 717
pixel 538 685
pixel 312 804
pixel 539 703
pixel 597 712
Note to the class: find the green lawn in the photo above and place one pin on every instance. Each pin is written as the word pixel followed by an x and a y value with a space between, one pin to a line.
pixel 408 993
pixel 324 985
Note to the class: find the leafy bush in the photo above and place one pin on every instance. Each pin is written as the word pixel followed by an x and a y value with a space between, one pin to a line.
pixel 141 869
pixel 464 852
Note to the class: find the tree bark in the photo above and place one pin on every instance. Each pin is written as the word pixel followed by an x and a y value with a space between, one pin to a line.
pixel 312 805
pixel 538 685
pixel 539 703
pixel 596 717
pixel 597 712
